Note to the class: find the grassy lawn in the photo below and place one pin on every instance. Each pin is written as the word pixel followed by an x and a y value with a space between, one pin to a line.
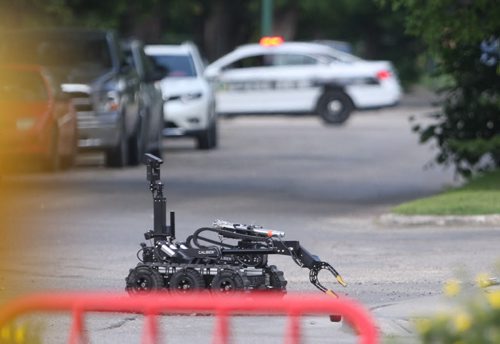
pixel 480 196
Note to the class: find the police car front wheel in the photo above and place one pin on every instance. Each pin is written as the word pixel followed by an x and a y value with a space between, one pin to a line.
pixel 335 107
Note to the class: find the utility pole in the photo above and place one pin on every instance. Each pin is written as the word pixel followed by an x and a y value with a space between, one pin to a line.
pixel 266 18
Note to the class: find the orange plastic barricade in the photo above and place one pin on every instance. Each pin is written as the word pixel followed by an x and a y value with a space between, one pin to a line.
pixel 221 305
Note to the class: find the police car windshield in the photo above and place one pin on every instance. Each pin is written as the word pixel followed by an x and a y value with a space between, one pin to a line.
pixel 177 65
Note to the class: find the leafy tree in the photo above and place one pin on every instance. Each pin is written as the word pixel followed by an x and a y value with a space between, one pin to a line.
pixel 27 13
pixel 375 32
pixel 462 35
pixel 217 26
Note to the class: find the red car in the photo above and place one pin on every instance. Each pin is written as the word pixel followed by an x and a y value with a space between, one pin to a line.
pixel 38 123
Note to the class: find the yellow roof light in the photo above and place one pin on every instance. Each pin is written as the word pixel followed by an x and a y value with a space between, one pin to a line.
pixel 271 41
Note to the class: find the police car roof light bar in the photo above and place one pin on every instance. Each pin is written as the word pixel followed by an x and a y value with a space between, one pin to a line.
pixel 271 41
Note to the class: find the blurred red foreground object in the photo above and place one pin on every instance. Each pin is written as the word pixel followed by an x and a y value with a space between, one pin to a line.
pixel 221 305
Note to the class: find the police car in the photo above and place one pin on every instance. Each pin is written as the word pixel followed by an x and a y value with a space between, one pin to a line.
pixel 297 77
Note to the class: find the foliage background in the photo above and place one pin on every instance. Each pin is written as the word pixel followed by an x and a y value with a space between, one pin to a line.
pixel 218 26
pixel 467 128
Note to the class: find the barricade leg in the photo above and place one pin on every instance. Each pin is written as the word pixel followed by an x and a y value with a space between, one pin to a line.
pixel 221 333
pixel 293 335
pixel 151 333
pixel 77 334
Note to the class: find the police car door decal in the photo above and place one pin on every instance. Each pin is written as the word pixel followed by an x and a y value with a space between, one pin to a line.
pixel 268 89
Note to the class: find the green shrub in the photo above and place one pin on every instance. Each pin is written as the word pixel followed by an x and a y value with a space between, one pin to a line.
pixel 461 37
pixel 467 128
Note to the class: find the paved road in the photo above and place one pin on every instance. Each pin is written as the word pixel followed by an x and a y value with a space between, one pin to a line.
pixel 324 186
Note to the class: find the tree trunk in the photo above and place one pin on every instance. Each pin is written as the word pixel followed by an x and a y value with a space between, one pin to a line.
pixel 228 24
pixel 285 23
pixel 215 26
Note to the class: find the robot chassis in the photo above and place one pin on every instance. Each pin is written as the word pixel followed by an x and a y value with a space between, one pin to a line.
pixel 234 257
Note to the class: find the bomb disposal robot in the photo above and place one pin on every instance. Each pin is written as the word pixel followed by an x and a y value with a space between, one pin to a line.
pixel 224 257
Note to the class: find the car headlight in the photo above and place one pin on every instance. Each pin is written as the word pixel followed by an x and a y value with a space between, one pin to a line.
pixel 108 101
pixel 190 96
pixel 25 123
pixel 186 97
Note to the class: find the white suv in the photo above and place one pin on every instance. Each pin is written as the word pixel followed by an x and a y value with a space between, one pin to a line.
pixel 189 108
pixel 294 77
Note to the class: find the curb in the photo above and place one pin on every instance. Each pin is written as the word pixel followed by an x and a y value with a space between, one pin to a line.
pixel 397 319
pixel 434 220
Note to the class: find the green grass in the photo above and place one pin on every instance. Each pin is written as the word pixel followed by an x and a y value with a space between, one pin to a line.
pixel 479 196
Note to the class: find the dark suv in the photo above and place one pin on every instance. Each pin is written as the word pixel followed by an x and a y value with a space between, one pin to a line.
pixel 150 99
pixel 90 66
